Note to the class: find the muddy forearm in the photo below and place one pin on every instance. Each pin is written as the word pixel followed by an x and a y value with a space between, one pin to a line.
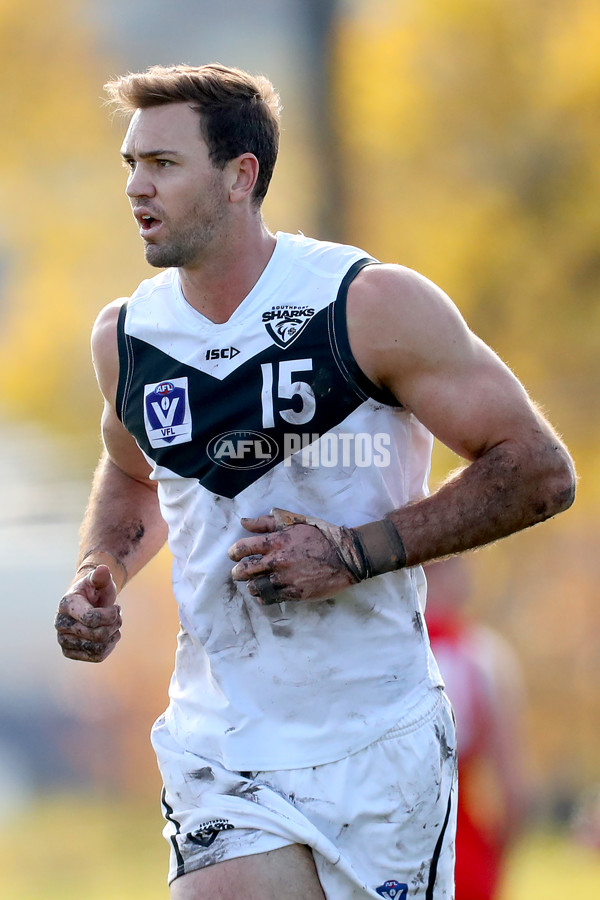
pixel 122 527
pixel 297 557
pixel 509 488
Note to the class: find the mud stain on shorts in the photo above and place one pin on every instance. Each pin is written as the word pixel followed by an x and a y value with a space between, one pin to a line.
pixel 203 774
pixel 244 790
pixel 446 751
pixel 418 623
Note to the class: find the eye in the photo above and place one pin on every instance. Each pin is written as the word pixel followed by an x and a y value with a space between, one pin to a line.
pixel 129 164
pixel 164 163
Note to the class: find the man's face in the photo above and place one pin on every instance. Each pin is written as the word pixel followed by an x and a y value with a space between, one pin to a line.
pixel 178 197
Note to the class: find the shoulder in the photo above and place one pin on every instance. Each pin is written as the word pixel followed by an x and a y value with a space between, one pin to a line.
pixel 104 330
pixel 400 321
pixel 398 293
pixel 105 352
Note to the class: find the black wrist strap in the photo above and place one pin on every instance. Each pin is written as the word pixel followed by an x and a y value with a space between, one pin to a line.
pixel 380 546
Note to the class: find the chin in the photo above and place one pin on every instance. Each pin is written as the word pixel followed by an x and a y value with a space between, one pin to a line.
pixel 158 257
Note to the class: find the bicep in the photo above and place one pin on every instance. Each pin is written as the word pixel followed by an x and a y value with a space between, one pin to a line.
pixel 467 398
pixel 408 336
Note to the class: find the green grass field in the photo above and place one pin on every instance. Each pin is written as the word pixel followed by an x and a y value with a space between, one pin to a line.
pixel 91 848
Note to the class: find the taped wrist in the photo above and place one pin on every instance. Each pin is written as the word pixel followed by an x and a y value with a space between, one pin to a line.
pixel 382 547
pixel 365 551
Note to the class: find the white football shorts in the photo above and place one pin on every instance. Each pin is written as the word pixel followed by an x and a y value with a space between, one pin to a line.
pixel 380 823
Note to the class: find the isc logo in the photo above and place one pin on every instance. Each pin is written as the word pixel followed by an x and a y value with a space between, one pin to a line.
pixel 224 353
pixel 242 450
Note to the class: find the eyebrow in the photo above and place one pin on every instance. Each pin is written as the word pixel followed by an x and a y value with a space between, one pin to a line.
pixel 150 154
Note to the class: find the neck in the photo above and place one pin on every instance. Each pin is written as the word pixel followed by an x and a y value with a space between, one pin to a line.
pixel 217 285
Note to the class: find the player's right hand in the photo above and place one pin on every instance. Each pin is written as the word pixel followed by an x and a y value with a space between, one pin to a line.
pixel 88 620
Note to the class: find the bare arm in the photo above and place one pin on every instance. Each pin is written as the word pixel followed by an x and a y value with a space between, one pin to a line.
pixel 407 336
pixel 122 528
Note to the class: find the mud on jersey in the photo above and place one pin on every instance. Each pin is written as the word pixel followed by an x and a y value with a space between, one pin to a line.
pixel 270 409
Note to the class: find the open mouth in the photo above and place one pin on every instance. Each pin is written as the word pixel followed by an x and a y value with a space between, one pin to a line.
pixel 148 222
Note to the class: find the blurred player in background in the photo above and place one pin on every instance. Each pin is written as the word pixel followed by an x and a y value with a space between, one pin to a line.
pixel 484 683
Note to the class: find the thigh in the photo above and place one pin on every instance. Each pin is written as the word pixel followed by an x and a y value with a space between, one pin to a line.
pixel 380 823
pixel 288 872
pixel 390 810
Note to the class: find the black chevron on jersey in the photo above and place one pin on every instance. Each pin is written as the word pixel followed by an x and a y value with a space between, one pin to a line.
pixel 230 410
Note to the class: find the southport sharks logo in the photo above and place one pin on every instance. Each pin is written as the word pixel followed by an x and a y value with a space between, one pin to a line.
pixel 285 323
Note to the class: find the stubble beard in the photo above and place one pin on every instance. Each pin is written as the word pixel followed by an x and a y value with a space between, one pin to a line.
pixel 188 243
pixel 182 250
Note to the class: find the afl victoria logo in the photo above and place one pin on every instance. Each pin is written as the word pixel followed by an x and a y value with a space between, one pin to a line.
pixel 167 415
pixel 242 450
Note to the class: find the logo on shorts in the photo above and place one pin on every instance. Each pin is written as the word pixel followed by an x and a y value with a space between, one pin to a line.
pixel 393 890
pixel 209 832
pixel 167 415
pixel 285 323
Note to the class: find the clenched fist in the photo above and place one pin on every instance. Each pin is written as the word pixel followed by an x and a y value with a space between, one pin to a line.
pixel 88 619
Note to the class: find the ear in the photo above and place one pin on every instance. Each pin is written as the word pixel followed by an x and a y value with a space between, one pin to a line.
pixel 242 172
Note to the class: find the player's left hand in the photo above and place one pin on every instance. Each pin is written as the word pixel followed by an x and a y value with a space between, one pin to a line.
pixel 288 560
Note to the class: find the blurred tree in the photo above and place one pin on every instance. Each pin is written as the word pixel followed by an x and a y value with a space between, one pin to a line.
pixel 471 133
pixel 321 16
pixel 65 238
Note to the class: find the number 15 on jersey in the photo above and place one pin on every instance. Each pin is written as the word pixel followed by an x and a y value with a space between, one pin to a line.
pixel 278 383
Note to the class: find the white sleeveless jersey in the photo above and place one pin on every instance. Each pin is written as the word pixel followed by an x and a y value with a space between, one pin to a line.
pixel 270 409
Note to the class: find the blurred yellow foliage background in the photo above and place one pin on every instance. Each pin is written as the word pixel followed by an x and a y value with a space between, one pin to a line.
pixel 471 131
pixel 65 246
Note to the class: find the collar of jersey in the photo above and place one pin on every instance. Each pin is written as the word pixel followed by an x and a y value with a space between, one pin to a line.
pixel 271 278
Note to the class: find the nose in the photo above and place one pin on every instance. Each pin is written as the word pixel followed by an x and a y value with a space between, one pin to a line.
pixel 139 183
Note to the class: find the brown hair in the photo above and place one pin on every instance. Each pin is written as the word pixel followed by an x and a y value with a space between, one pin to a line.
pixel 239 113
